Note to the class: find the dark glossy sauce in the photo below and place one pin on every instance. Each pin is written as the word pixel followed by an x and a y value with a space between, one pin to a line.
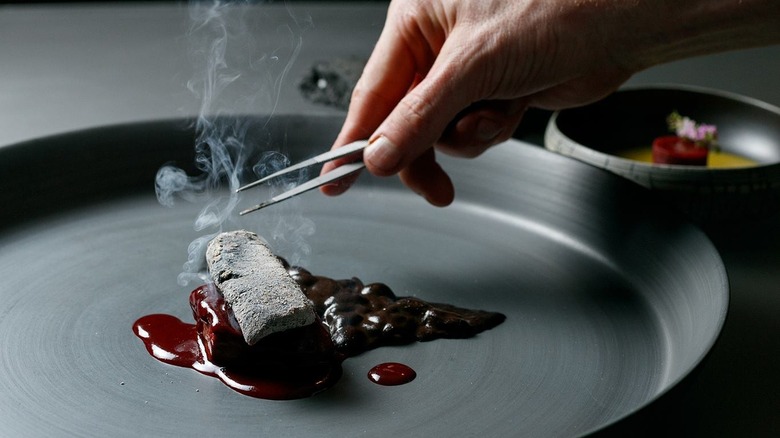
pixel 353 318
pixel 391 374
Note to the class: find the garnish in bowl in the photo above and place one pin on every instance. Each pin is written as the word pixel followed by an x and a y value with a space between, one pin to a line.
pixel 690 145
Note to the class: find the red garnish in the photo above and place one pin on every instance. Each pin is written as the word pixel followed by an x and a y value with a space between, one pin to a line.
pixel 672 149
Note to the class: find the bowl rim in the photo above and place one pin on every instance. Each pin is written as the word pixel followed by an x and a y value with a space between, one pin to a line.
pixel 553 136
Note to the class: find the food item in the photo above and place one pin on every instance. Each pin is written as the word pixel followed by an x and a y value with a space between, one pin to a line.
pixel 299 349
pixel 689 146
pixel 262 296
pixel 671 149
pixel 362 317
pixel 350 319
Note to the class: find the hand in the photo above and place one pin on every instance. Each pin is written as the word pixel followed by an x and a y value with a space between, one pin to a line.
pixel 456 75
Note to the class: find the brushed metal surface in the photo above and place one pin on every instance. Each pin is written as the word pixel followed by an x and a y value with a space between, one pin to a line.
pixel 610 301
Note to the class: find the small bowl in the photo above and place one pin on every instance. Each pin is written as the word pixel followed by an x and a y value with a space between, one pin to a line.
pixel 600 133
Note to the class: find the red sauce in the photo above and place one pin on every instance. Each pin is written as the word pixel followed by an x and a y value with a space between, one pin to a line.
pixel 172 341
pixel 391 374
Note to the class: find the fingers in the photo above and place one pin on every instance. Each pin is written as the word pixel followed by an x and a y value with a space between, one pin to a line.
pixel 473 131
pixel 411 129
pixel 421 116
pixel 425 177
pixel 388 75
pixel 413 87
pixel 339 186
pixel 481 126
pixel 579 90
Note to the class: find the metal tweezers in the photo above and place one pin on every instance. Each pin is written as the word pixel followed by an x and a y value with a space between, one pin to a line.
pixel 321 180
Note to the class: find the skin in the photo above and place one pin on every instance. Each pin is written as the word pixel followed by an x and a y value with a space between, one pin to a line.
pixel 456 76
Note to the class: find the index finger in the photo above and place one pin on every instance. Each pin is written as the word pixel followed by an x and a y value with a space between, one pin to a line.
pixel 388 75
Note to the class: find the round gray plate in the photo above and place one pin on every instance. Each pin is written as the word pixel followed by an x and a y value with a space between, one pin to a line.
pixel 610 301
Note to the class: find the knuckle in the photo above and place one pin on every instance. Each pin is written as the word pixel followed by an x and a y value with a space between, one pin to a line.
pixel 415 112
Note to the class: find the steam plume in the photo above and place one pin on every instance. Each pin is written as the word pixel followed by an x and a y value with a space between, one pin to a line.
pixel 235 75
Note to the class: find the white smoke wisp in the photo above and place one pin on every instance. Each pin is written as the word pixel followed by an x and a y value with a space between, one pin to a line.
pixel 236 74
pixel 288 229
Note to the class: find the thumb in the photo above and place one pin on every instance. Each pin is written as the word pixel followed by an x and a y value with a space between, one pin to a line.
pixel 420 117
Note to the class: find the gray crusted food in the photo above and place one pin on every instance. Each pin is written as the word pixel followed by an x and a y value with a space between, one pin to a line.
pixel 256 286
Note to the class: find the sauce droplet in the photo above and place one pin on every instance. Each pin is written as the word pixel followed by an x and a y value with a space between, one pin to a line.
pixel 391 374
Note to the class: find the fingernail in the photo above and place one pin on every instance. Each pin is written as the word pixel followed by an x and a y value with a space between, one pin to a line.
pixel 488 129
pixel 383 154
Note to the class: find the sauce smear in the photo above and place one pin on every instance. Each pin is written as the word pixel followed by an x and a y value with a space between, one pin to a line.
pixel 391 374
pixel 172 341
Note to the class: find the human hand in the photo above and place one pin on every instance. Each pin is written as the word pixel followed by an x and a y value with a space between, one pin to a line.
pixel 456 75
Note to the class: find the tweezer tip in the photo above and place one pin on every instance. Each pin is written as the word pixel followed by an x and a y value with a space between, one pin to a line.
pixel 249 186
pixel 255 208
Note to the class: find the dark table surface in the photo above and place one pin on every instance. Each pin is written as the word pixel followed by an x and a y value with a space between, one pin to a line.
pixel 69 67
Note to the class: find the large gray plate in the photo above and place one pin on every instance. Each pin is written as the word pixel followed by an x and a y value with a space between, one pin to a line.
pixel 610 301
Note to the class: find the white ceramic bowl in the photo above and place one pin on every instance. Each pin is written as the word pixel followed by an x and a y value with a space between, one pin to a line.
pixel 630 118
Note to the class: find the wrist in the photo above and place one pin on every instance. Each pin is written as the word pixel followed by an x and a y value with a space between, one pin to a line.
pixel 679 29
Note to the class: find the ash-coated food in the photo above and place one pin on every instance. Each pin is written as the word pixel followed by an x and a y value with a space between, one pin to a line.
pixel 256 286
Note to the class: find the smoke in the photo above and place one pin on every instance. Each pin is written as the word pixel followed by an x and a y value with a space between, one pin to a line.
pixel 236 75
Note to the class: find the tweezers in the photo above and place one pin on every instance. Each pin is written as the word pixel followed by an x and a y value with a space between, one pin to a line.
pixel 333 175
